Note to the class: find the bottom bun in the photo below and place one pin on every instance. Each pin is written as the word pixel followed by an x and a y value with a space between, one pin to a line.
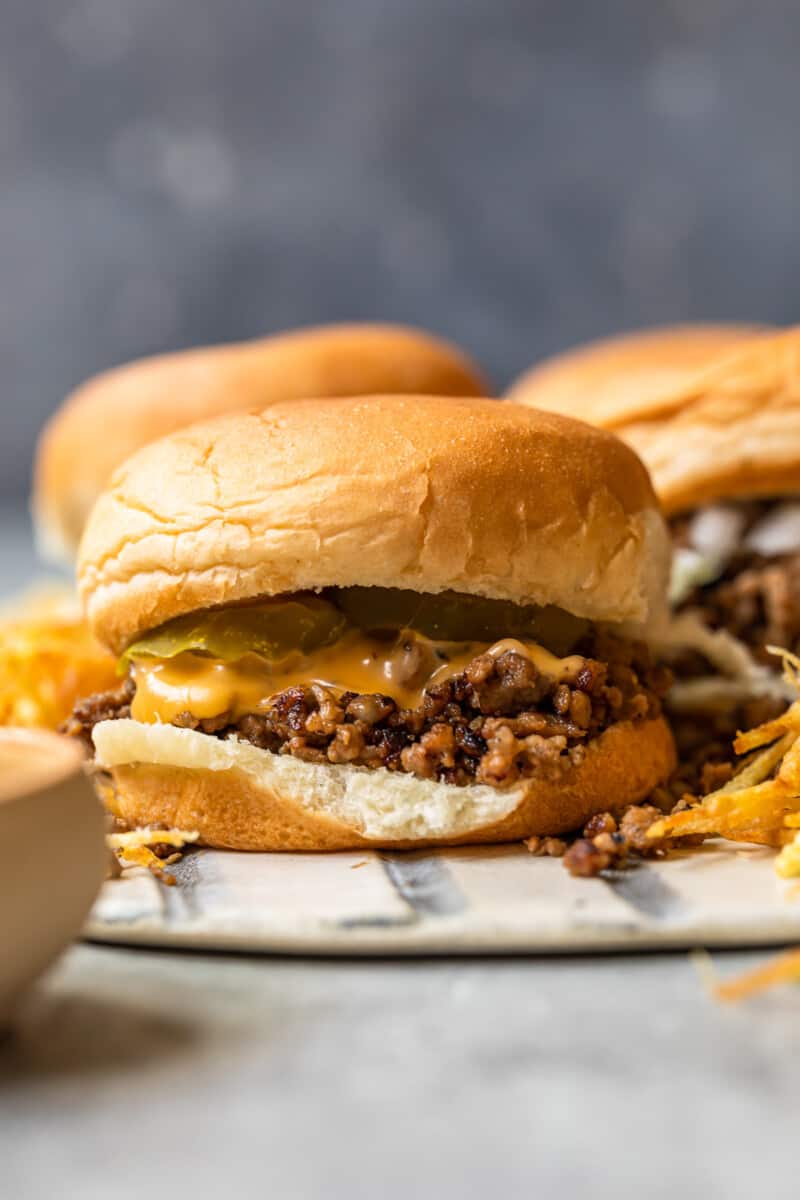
pixel 237 797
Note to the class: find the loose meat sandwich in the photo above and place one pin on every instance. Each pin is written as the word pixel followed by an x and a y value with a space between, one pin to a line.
pixel 723 450
pixel 395 621
pixel 113 415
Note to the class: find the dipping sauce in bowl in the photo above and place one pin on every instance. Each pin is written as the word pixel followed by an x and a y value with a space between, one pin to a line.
pixel 53 856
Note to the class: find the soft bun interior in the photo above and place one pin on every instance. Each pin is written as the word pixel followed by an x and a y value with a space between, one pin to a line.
pixel 376 803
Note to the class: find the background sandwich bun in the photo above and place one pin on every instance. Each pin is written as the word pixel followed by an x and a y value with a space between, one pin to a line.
pixel 618 379
pixel 731 432
pixel 113 415
pixel 419 492
pixel 422 493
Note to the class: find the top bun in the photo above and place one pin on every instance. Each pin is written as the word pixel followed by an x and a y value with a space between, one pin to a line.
pixel 113 415
pixel 424 493
pixel 730 433
pixel 625 378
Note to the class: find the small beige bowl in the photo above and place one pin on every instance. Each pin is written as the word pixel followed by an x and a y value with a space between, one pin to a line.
pixel 53 856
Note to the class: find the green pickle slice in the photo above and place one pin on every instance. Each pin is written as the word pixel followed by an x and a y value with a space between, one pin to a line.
pixel 272 629
pixel 276 628
pixel 456 617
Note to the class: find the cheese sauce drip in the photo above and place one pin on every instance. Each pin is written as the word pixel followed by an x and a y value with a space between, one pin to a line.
pixel 403 669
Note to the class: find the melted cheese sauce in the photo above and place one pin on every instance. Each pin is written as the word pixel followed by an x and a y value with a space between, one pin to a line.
pixel 403 669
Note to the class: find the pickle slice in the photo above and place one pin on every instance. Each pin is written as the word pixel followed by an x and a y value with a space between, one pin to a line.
pixel 270 628
pixel 275 628
pixel 455 617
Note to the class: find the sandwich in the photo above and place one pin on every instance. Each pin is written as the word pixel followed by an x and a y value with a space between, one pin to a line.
pixel 385 622
pixel 116 413
pixel 723 451
pixel 725 460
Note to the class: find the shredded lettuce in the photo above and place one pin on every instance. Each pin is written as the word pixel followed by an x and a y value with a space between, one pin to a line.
pixel 690 570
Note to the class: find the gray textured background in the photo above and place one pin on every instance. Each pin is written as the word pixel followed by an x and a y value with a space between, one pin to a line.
pixel 518 174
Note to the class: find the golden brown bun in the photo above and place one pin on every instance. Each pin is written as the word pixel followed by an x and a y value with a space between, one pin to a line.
pixel 624 378
pixel 107 419
pixel 733 431
pixel 418 492
pixel 249 799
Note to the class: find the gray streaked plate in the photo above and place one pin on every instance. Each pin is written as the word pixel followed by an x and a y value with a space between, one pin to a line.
pixel 487 900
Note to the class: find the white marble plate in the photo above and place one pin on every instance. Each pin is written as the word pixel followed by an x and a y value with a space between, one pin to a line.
pixel 487 900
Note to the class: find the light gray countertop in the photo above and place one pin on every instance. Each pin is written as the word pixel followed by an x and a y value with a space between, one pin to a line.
pixel 133 1072
pixel 604 1076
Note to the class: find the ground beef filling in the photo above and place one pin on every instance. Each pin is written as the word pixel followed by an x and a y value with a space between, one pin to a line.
pixel 758 601
pixel 756 597
pixel 498 721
